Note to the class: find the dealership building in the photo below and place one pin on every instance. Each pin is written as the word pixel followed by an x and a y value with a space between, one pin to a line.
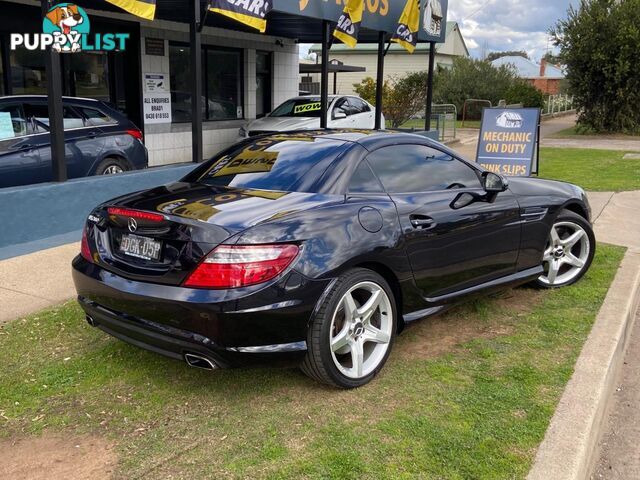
pixel 245 74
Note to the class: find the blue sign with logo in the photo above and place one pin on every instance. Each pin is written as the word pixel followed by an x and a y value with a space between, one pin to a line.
pixel 508 142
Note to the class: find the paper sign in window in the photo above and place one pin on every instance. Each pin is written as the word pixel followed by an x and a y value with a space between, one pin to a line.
pixel 6 126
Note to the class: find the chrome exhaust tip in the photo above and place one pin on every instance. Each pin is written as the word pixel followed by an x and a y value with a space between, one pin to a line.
pixel 198 361
pixel 90 320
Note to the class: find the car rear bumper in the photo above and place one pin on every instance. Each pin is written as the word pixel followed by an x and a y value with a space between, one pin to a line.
pixel 174 321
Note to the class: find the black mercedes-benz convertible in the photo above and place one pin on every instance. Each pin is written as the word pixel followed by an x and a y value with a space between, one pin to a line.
pixel 320 244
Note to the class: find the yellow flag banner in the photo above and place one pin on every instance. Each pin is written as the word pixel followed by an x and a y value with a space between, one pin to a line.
pixel 250 12
pixel 407 32
pixel 140 8
pixel 349 23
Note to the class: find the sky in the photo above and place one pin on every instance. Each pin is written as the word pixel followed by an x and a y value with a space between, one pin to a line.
pixel 498 25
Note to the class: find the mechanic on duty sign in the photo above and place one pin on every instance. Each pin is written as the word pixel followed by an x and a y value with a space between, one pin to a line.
pixel 508 140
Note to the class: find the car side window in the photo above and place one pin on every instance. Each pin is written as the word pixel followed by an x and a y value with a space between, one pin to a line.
pixel 418 168
pixel 358 105
pixel 39 113
pixel 342 105
pixel 13 122
pixel 364 181
pixel 96 118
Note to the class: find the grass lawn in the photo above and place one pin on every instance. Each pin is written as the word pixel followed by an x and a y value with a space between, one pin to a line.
pixel 596 170
pixel 573 132
pixel 419 124
pixel 468 394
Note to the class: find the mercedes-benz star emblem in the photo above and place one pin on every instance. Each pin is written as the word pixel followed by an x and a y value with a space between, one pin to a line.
pixel 133 225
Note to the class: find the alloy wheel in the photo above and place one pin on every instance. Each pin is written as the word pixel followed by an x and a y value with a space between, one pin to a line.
pixel 112 169
pixel 361 330
pixel 566 253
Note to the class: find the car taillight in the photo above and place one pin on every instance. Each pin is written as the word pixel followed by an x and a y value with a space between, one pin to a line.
pixel 139 214
pixel 233 266
pixel 85 251
pixel 135 133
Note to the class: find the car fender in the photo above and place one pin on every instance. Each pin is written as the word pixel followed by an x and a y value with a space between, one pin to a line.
pixel 334 241
pixel 333 238
pixel 112 150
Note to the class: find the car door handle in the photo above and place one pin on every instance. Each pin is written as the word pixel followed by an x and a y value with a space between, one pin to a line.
pixel 422 222
pixel 23 148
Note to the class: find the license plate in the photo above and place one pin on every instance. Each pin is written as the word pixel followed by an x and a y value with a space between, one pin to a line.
pixel 140 247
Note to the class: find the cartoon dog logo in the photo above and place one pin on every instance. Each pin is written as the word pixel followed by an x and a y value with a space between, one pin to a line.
pixel 66 17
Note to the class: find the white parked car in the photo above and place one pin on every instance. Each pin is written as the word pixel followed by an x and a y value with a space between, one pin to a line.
pixel 303 113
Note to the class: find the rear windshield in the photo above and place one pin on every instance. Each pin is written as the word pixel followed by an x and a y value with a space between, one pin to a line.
pixel 286 164
pixel 305 107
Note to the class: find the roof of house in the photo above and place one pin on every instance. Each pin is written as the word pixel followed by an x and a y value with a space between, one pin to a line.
pixel 373 47
pixel 526 68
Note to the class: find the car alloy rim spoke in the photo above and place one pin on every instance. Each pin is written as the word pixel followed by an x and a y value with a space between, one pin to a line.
pixel 373 334
pixel 571 259
pixel 357 357
pixel 361 330
pixel 368 309
pixel 554 268
pixel 350 307
pixel 573 239
pixel 565 257
pixel 341 340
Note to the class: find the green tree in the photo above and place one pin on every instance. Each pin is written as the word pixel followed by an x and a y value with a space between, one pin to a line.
pixel 600 45
pixel 510 53
pixel 403 97
pixel 524 93
pixel 469 78
pixel 552 59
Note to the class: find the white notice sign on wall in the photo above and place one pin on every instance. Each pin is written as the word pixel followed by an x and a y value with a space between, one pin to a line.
pixel 157 108
pixel 155 82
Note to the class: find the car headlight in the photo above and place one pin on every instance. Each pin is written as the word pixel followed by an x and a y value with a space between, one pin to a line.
pixel 242 132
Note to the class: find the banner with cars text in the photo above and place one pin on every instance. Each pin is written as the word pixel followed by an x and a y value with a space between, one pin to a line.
pixel 349 23
pixel 508 142
pixel 380 15
pixel 252 14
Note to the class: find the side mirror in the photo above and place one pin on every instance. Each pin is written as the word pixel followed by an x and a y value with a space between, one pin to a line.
pixel 494 183
pixel 339 115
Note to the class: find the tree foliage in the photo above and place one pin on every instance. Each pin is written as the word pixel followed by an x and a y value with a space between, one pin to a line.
pixel 600 46
pixel 469 78
pixel 403 97
pixel 510 53
pixel 552 58
pixel 523 92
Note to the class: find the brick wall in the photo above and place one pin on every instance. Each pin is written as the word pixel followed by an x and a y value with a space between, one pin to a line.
pixel 548 86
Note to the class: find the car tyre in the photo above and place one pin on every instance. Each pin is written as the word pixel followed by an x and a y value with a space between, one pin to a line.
pixel 110 166
pixel 569 251
pixel 352 331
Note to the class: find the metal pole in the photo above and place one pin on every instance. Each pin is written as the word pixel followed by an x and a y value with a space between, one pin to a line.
pixel 54 101
pixel 537 172
pixel 380 80
pixel 195 39
pixel 324 76
pixel 335 82
pixel 432 58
